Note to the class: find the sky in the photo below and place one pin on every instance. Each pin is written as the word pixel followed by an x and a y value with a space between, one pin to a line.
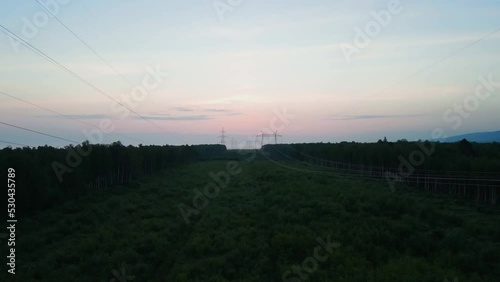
pixel 178 72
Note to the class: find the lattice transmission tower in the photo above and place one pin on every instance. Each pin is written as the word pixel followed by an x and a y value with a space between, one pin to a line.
pixel 263 135
pixel 223 137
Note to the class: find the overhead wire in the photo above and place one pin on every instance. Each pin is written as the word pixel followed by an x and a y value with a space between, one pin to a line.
pixel 63 115
pixel 81 40
pixel 13 143
pixel 95 52
pixel 430 65
pixel 50 59
pixel 39 132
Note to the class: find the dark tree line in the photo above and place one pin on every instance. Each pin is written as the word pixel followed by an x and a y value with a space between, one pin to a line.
pixel 48 176
pixel 207 152
pixel 463 169
pixel 448 158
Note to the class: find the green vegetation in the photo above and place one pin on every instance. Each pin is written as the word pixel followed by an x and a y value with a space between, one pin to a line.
pixel 463 156
pixel 50 176
pixel 265 221
pixel 463 169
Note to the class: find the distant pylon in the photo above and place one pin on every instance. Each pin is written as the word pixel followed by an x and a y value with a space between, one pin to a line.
pixel 223 137
pixel 263 135
pixel 234 145
pixel 276 135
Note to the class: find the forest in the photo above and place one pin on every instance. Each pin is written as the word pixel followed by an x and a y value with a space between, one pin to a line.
pixel 48 176
pixel 264 226
pixel 98 210
pixel 463 169
pixel 464 157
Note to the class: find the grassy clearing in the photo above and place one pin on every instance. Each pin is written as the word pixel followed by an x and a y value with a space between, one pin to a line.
pixel 267 220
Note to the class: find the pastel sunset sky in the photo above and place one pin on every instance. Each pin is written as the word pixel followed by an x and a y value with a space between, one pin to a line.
pixel 237 66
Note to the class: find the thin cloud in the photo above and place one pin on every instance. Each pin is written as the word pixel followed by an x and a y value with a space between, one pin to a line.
pixel 362 117
pixel 217 110
pixel 230 114
pixel 223 112
pixel 183 109
pixel 177 118
pixel 83 116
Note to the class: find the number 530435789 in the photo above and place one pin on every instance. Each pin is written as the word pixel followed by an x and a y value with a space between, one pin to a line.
pixel 11 178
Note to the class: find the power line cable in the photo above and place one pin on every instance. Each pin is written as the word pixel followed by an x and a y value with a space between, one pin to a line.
pixel 96 53
pixel 430 65
pixel 38 132
pixel 63 115
pixel 82 41
pixel 13 143
pixel 48 58
pixel 439 61
pixel 382 168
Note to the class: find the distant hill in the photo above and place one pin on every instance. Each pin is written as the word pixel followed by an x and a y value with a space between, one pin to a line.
pixel 480 137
